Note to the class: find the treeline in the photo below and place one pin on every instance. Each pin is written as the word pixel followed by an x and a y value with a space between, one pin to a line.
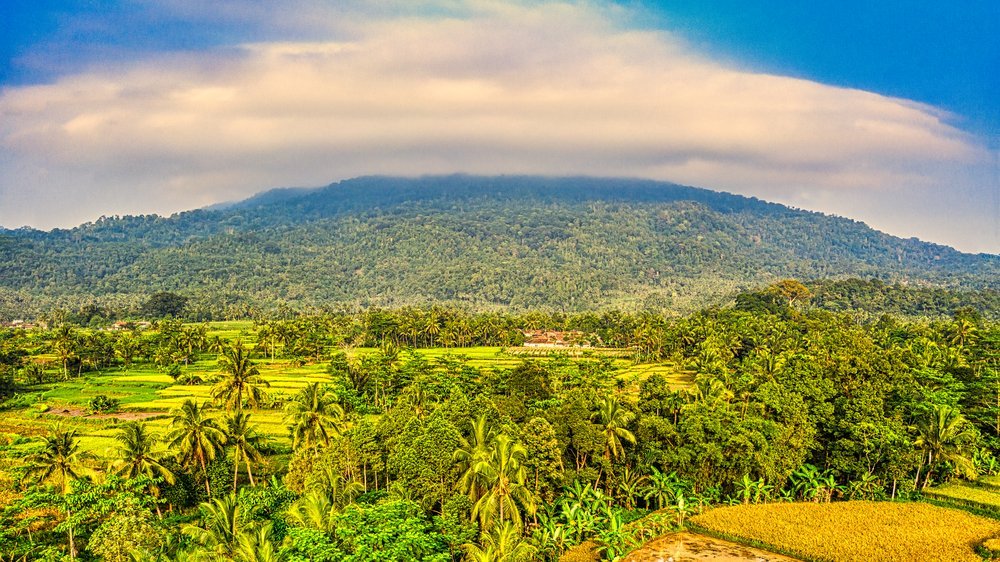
pixel 442 460
pixel 512 243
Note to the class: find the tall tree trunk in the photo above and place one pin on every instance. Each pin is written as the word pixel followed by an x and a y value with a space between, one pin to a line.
pixel 236 467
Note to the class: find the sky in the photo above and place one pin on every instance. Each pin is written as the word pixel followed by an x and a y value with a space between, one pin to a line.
pixel 886 112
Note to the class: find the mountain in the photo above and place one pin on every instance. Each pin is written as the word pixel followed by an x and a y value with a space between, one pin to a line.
pixel 519 242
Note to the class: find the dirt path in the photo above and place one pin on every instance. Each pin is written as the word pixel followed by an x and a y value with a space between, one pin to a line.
pixel 81 413
pixel 689 547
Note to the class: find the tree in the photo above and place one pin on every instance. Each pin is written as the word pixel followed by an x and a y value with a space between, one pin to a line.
pixel 613 420
pixel 195 436
pixel 136 452
pixel 259 544
pixel 221 527
pixel 503 543
pixel 241 380
pixel 245 442
pixel 60 457
pixel 943 435
pixel 471 451
pixel 506 489
pixel 162 305
pixel 314 416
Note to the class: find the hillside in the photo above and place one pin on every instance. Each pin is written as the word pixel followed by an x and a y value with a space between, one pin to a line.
pixel 520 242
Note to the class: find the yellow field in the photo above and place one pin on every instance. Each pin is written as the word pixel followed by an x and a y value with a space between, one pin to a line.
pixel 855 531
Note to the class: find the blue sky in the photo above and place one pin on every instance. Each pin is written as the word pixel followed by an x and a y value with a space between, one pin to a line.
pixel 920 81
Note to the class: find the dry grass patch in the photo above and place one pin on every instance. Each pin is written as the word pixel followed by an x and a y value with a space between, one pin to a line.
pixel 855 531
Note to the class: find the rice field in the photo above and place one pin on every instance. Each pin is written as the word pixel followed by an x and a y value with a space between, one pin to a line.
pixel 853 531
pixel 143 388
pixel 968 496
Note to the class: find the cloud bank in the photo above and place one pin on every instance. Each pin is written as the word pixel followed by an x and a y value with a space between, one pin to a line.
pixel 486 88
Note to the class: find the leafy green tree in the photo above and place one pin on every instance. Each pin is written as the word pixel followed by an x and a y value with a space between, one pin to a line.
pixel 126 535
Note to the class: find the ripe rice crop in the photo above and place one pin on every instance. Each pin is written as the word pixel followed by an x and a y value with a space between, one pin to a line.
pixel 854 531
pixel 987 499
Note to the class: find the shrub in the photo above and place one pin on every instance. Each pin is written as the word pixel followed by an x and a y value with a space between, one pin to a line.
pixel 102 404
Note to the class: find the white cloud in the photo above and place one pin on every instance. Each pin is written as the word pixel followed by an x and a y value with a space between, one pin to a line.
pixel 486 88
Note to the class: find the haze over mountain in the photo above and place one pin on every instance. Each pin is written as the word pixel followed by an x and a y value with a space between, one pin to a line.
pixel 509 241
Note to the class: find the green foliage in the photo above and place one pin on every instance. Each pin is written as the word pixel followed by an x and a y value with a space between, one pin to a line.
pixel 101 404
pixel 518 242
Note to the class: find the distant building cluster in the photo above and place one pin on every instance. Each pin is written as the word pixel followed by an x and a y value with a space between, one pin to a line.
pixel 557 339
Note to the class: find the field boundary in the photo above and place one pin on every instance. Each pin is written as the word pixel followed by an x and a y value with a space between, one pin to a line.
pixel 969 506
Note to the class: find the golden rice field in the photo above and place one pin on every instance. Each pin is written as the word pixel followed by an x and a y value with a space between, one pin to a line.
pixel 965 494
pixel 854 531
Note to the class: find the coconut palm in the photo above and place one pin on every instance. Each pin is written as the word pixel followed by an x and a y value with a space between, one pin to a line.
pixel 136 451
pixel 505 477
pixel 942 437
pixel 470 452
pixel 241 380
pixel 338 489
pixel 221 526
pixel 313 511
pixel 503 543
pixel 196 437
pixel 314 416
pixel 613 420
pixel 245 442
pixel 60 457
pixel 260 545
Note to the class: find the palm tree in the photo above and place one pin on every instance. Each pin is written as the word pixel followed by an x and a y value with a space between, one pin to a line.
pixel 222 527
pixel 136 451
pixel 65 344
pixel 60 457
pixel 313 511
pixel 942 438
pixel 195 436
pixel 314 416
pixel 245 441
pixel 613 420
pixel 137 459
pixel 470 453
pixel 503 544
pixel 259 545
pixel 338 489
pixel 505 478
pixel 241 380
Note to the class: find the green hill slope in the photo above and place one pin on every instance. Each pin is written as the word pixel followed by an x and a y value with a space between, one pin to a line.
pixel 522 242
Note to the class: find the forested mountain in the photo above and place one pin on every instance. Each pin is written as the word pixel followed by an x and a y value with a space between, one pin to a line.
pixel 479 242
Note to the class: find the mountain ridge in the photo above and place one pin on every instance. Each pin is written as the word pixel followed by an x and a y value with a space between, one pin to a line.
pixel 494 241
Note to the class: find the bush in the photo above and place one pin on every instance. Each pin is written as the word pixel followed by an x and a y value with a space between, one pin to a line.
pixel 102 404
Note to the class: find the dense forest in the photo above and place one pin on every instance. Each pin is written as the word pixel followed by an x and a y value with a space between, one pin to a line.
pixel 521 243
pixel 384 451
